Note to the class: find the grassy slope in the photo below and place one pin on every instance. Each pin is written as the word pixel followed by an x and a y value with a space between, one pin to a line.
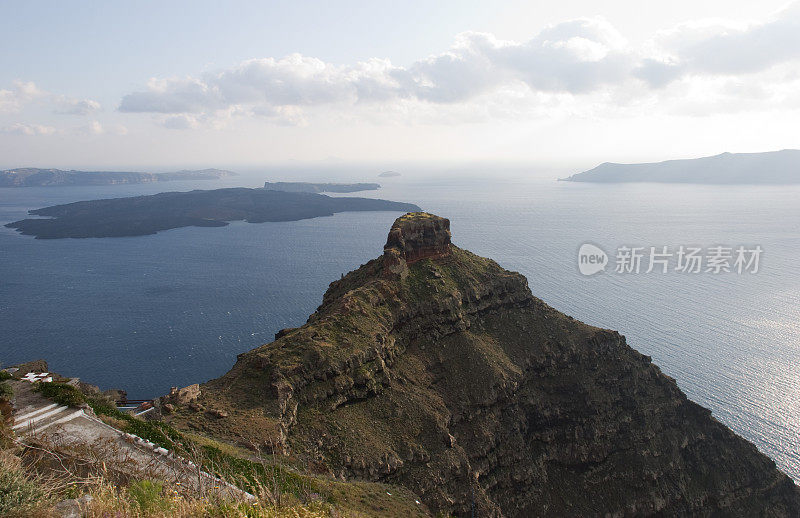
pixel 284 488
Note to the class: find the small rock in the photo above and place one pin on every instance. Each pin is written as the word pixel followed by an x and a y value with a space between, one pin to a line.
pixel 73 508
pixel 218 413
pixel 185 395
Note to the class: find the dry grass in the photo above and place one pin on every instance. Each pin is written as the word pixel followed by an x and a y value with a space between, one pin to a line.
pixel 46 470
pixel 147 499
pixel 35 476
pixel 22 494
pixel 34 479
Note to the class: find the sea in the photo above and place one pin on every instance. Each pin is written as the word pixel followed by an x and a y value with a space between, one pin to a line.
pixel 147 313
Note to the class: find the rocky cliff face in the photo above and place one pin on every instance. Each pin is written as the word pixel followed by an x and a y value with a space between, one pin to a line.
pixel 438 370
pixel 414 237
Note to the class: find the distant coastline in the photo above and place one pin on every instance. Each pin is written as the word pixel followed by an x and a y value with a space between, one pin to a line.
pixel 35 177
pixel 320 187
pixel 770 168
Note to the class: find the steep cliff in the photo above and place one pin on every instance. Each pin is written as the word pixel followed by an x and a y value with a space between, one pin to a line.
pixel 436 369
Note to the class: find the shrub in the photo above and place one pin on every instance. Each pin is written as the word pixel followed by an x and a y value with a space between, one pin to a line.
pixel 156 432
pixel 5 375
pixel 148 495
pixel 61 393
pixel 6 391
pixel 17 493
pixel 254 474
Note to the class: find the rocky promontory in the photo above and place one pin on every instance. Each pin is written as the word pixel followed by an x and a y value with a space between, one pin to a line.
pixel 438 370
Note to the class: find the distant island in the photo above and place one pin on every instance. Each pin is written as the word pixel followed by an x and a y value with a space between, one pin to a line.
pixel 389 174
pixel 34 177
pixel 772 168
pixel 142 215
pixel 320 187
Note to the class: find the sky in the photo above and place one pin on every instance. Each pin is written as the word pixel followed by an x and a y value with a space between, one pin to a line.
pixel 161 85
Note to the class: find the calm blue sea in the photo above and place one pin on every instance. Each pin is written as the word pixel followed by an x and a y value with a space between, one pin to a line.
pixel 146 313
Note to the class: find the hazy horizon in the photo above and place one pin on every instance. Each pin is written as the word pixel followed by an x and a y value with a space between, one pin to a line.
pixel 338 169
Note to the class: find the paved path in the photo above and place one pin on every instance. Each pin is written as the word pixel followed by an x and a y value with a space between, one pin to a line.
pixel 65 427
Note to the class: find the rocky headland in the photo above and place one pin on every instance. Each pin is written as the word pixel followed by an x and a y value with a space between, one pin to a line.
pixel 437 370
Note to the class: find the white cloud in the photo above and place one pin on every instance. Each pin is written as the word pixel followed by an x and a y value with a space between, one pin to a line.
pixel 95 128
pixel 69 106
pixel 179 122
pixel 576 56
pixel 481 76
pixel 28 129
pixel 173 96
pixel 723 47
pixel 23 93
pixel 281 115
pixel 20 94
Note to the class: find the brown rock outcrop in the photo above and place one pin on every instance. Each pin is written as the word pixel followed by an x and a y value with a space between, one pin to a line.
pixel 453 380
pixel 413 237
pixel 185 395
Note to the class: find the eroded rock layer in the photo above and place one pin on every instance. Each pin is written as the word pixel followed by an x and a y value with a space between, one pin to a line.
pixel 438 370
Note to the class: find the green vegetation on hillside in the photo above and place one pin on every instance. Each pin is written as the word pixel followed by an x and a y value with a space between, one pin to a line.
pixel 282 489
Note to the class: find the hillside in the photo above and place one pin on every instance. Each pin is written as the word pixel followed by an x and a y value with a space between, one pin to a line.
pixel 776 167
pixel 438 370
pixel 66 450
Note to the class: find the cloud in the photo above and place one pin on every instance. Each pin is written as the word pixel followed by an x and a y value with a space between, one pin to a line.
pixel 180 122
pixel 576 56
pixel 722 47
pixel 582 58
pixel 173 96
pixel 69 106
pixel 23 93
pixel 93 128
pixel 118 129
pixel 20 94
pixel 28 129
pixel 281 115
